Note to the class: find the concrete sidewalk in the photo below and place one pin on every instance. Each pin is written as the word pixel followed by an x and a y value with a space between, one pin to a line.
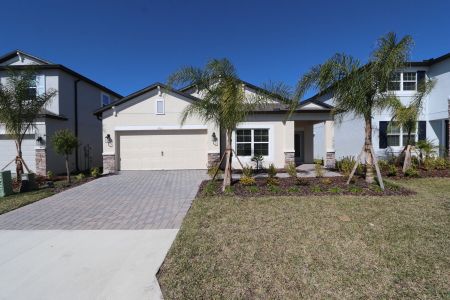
pixel 82 264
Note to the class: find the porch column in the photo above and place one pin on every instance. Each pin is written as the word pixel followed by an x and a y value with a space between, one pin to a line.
pixel 289 148
pixel 330 155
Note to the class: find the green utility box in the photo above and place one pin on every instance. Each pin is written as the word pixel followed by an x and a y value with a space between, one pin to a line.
pixel 5 183
pixel 28 182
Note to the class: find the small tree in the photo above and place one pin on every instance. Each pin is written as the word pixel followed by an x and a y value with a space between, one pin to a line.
pixel 20 105
pixel 64 142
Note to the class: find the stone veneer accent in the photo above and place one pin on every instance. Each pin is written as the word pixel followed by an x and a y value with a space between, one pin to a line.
pixel 330 160
pixel 41 162
pixel 109 163
pixel 213 159
pixel 289 157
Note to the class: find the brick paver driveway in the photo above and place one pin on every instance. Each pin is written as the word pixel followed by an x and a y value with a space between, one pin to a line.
pixel 129 200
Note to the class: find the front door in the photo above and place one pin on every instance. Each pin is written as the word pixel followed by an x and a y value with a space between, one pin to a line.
pixel 299 142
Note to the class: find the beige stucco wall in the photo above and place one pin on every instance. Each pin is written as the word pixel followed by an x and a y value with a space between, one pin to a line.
pixel 140 114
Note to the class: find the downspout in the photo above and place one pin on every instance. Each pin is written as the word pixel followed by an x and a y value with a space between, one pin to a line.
pixel 75 96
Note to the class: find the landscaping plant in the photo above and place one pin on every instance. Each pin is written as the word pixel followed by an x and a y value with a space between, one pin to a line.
pixel 95 172
pixel 291 169
pixel 360 90
pixel 271 171
pixel 224 100
pixel 318 170
pixel 64 143
pixel 258 160
pixel 20 105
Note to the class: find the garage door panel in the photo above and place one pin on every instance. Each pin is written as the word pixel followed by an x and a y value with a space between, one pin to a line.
pixel 159 150
pixel 8 152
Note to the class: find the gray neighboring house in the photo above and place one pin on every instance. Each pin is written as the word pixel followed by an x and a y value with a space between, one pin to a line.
pixel 77 96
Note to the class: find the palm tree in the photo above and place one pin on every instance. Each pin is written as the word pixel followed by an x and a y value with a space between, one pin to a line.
pixel 19 108
pixel 407 116
pixel 360 90
pixel 224 101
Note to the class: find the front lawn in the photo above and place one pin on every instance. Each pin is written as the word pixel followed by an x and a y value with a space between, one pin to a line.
pixel 314 247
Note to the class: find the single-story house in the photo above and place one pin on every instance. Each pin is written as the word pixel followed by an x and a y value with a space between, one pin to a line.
pixel 143 131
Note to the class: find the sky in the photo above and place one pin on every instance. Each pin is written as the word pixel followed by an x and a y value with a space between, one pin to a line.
pixel 128 45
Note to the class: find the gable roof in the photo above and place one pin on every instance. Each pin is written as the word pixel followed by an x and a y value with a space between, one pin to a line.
pixel 46 65
pixel 431 61
pixel 141 92
pixel 280 107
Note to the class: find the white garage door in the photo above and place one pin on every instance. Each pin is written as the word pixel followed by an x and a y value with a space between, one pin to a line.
pixel 8 152
pixel 163 150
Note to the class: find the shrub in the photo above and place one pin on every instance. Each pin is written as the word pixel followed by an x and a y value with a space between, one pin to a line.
pixel 302 182
pixel 95 172
pixel 355 189
pixel 246 180
pixel 345 165
pixel 440 163
pixel 384 165
pixel 335 190
pixel 273 188
pixel 316 189
pixel 252 189
pixel 326 181
pixel 293 189
pixel 229 190
pixel 50 175
pixel 392 170
pixel 272 181
pixel 291 169
pixel 258 159
pixel 247 171
pixel 272 171
pixel 411 172
pixel 212 170
pixel 318 161
pixel 318 170
pixel 80 176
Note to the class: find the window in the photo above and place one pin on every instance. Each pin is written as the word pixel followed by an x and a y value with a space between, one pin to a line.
pixel 393 135
pixel 394 132
pixel 160 106
pixel 406 81
pixel 409 81
pixel 394 83
pixel 32 90
pixel 251 142
pixel 106 99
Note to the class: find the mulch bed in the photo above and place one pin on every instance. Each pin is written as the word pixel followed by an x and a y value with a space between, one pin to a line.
pixel 303 187
pixel 423 173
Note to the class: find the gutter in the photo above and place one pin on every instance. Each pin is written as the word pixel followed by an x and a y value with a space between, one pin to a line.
pixel 75 96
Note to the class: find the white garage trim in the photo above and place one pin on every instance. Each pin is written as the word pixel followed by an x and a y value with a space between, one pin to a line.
pixel 164 127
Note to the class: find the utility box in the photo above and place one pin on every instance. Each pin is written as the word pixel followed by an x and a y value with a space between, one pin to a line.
pixel 28 182
pixel 6 187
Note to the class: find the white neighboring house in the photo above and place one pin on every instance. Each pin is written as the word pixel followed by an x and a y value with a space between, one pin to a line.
pixel 388 139
pixel 142 132
pixel 71 108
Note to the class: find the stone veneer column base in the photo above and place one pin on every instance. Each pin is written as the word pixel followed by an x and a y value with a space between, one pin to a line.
pixel 41 162
pixel 330 160
pixel 109 163
pixel 213 159
pixel 289 157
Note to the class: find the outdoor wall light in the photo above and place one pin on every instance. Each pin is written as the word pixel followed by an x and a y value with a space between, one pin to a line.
pixel 214 138
pixel 40 140
pixel 108 139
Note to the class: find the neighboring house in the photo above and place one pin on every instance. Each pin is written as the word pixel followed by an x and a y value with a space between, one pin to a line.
pixel 71 108
pixel 142 132
pixel 387 138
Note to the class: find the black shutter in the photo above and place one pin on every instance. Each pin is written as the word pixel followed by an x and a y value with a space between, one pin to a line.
pixel 383 135
pixel 422 130
pixel 420 80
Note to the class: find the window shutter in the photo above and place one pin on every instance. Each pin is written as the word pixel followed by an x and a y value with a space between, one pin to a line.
pixel 422 134
pixel 40 84
pixel 420 80
pixel 383 135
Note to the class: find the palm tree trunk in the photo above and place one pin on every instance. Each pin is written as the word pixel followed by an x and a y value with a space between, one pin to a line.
pixel 67 169
pixel 227 173
pixel 19 165
pixel 367 147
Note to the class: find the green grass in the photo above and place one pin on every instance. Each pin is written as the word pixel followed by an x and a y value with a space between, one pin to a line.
pixel 314 247
pixel 17 200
